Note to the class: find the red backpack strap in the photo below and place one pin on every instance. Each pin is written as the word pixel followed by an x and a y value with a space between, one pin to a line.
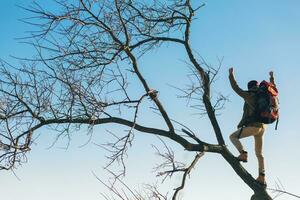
pixel 273 90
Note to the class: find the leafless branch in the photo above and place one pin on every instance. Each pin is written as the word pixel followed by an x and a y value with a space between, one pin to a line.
pixel 87 72
pixel 280 190
pixel 186 173
pixel 122 191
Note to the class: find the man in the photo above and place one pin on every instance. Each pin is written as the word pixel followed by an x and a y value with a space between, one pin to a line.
pixel 248 125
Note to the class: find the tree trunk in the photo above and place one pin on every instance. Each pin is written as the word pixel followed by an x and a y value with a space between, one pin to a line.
pixel 260 196
pixel 259 192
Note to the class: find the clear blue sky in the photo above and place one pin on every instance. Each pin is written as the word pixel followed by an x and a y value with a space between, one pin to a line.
pixel 253 36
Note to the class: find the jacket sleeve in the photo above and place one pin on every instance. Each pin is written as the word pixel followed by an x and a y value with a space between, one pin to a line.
pixel 242 93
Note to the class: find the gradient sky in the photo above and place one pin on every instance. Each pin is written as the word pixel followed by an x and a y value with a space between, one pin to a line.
pixel 253 36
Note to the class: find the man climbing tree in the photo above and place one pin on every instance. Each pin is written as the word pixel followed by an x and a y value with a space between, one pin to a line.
pixel 250 125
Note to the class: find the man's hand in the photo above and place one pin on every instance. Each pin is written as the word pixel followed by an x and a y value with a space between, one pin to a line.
pixel 231 70
pixel 271 73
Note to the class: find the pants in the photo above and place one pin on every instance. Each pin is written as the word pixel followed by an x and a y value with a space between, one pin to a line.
pixel 258 133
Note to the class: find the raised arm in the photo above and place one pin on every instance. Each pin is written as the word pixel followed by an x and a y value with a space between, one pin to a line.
pixel 272 80
pixel 234 85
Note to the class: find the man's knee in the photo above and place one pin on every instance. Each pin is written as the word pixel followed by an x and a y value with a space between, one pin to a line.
pixel 259 155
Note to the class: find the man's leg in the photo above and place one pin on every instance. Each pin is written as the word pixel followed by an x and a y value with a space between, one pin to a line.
pixel 234 137
pixel 258 151
pixel 242 133
pixel 259 154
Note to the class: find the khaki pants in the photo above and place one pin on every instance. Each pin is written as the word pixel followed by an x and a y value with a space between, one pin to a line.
pixel 258 133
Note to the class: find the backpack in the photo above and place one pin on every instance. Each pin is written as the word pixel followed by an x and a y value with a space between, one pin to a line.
pixel 267 103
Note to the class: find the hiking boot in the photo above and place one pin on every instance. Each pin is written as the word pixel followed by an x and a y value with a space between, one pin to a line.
pixel 261 179
pixel 243 157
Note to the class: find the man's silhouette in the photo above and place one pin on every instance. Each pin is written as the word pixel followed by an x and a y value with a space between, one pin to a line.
pixel 249 126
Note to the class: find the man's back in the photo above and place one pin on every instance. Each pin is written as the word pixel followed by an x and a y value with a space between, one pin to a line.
pixel 249 97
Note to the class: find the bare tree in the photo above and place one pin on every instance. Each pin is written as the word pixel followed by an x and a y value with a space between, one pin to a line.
pixel 87 54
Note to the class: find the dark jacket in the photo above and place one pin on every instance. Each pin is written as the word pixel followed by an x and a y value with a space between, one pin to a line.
pixel 248 118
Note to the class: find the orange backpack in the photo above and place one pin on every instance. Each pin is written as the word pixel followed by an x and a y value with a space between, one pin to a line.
pixel 267 103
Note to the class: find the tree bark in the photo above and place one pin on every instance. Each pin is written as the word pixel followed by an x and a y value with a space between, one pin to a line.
pixel 260 192
pixel 260 196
